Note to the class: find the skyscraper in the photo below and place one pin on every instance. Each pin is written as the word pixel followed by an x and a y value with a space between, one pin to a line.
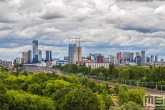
pixel 71 52
pixel 25 55
pixel 132 57
pixel 77 55
pixel 156 58
pixel 138 60
pixel 138 54
pixel 119 56
pixel 143 57
pixel 29 60
pixel 152 58
pixel 148 59
pixel 48 56
pixel 126 56
pixel 39 55
pixel 35 51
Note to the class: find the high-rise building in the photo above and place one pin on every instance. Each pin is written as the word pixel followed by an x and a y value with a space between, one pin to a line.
pixel 138 60
pixel 77 55
pixel 143 57
pixel 126 56
pixel 162 60
pixel 138 54
pixel 100 59
pixel 111 58
pixel 119 56
pixel 156 58
pixel 35 51
pixel 25 55
pixel 29 60
pixel 148 59
pixel 71 52
pixel 152 58
pixel 48 56
pixel 95 56
pixel 39 55
pixel 132 57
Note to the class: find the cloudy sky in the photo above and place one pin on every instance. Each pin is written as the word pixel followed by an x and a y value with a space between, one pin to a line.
pixel 106 26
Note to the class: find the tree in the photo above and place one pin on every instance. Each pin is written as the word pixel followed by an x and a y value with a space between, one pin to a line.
pixel 136 96
pixel 81 99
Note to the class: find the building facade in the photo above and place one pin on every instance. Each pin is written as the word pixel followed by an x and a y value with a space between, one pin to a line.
pixel 35 51
pixel 48 56
pixel 156 58
pixel 25 55
pixel 77 55
pixel 71 52
pixel 152 58
pixel 29 60
pixel 143 57
pixel 39 55
pixel 100 59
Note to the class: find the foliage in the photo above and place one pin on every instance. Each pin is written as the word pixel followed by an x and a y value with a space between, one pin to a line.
pixel 81 99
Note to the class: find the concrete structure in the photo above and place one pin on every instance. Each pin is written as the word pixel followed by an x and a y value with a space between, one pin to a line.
pixel 35 51
pixel 29 61
pixel 132 57
pixel 95 56
pixel 126 56
pixel 48 56
pixel 147 59
pixel 156 58
pixel 100 59
pixel 138 60
pixel 119 56
pixel 71 52
pixel 97 65
pixel 138 54
pixel 77 55
pixel 39 55
pixel 25 55
pixel 21 60
pixel 152 58
pixel 111 58
pixel 8 64
pixel 143 57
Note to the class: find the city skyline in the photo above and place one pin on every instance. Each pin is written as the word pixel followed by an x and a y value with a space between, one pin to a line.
pixel 110 26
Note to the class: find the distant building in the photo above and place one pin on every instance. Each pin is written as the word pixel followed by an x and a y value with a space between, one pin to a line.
pixel 35 51
pixel 147 59
pixel 100 59
pixel 138 54
pixel 97 65
pixel 21 60
pixel 138 60
pixel 8 64
pixel 95 56
pixel 25 55
pixel 132 57
pixel 126 56
pixel 152 58
pixel 71 52
pixel 119 55
pixel 48 56
pixel 29 60
pixel 39 55
pixel 156 58
pixel 111 58
pixel 143 57
pixel 162 60
pixel 77 55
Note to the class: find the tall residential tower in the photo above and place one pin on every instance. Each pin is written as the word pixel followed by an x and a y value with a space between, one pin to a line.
pixel 35 51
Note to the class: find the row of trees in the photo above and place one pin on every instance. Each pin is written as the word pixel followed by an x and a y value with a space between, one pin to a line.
pixel 123 74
